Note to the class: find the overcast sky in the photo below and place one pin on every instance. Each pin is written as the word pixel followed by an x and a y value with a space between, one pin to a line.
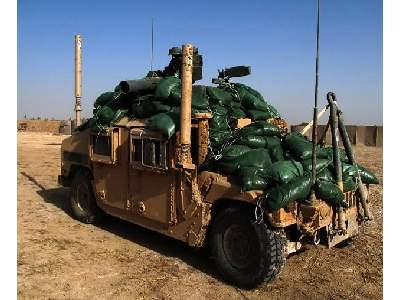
pixel 276 38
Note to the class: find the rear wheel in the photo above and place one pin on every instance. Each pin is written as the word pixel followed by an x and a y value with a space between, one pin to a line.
pixel 246 254
pixel 82 201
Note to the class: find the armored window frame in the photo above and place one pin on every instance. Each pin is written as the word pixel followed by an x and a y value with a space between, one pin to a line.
pixel 101 155
pixel 148 152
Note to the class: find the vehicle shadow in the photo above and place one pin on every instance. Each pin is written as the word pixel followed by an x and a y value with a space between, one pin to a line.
pixel 196 258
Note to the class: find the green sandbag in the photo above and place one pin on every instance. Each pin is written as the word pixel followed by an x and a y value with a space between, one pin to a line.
pixel 276 153
pixel 218 138
pixel 103 99
pixel 118 89
pixel 250 101
pixel 367 176
pixel 164 122
pixel 252 141
pixel 349 184
pixel 149 108
pixel 298 145
pixel 349 170
pixel 235 104
pixel 200 98
pixel 105 115
pixel 228 167
pixel 284 171
pixel 234 151
pixel 326 175
pixel 327 153
pixel 256 141
pixel 219 96
pixel 118 115
pixel 330 192
pixel 219 123
pixel 281 195
pixel 252 179
pixel 165 87
pixel 237 113
pixel 218 110
pixel 174 96
pixel 272 141
pixel 255 158
pixel 257 115
pixel 260 128
pixel 320 165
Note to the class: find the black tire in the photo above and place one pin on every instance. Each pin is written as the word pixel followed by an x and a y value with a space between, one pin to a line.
pixel 246 254
pixel 82 201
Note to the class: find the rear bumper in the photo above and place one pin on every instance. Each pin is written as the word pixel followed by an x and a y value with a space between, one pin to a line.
pixel 352 228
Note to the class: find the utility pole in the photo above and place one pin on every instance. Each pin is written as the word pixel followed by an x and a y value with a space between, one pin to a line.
pixel 78 79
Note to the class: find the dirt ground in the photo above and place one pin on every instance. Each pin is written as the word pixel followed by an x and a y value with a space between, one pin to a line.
pixel 60 258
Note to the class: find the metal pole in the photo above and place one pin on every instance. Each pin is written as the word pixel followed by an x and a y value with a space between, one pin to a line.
pixel 349 152
pixel 336 159
pixel 315 119
pixel 186 103
pixel 78 79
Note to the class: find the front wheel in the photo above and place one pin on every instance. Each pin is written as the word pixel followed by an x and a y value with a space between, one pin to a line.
pixel 82 201
pixel 246 254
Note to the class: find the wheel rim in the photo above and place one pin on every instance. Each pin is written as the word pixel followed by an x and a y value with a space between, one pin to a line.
pixel 239 246
pixel 81 198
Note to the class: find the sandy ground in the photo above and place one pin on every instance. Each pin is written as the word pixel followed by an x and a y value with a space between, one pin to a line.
pixel 60 258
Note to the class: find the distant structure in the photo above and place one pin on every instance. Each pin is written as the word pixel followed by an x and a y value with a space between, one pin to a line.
pixel 358 134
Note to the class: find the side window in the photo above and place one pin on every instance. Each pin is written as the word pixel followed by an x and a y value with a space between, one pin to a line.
pixel 149 152
pixel 104 147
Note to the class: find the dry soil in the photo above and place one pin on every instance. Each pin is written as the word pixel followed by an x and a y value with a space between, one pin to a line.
pixel 61 258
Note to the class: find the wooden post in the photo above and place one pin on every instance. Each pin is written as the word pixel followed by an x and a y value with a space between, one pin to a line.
pixel 349 152
pixel 186 104
pixel 78 79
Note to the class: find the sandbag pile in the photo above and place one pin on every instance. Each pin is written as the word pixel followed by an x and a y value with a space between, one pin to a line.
pixel 263 157
pixel 260 156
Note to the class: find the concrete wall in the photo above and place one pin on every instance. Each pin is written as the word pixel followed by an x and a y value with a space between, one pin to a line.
pixel 359 135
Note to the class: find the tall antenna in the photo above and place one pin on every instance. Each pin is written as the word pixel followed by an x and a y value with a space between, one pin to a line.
pixel 317 61
pixel 315 119
pixel 152 44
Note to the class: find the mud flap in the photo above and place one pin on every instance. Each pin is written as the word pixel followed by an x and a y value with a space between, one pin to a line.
pixel 334 237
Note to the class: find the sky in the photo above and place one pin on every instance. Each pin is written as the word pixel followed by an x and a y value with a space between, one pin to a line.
pixel 276 38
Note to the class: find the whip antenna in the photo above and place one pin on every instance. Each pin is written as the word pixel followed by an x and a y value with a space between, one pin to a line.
pixel 152 44
pixel 315 119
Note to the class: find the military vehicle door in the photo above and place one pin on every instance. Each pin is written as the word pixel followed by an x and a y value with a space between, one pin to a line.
pixel 110 170
pixel 151 185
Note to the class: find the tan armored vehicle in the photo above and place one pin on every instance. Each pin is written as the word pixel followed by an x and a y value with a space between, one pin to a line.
pixel 136 174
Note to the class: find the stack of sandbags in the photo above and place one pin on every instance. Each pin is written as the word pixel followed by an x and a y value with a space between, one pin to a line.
pixel 261 155
pixel 264 158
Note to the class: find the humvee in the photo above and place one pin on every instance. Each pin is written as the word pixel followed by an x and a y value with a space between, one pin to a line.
pixel 136 174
